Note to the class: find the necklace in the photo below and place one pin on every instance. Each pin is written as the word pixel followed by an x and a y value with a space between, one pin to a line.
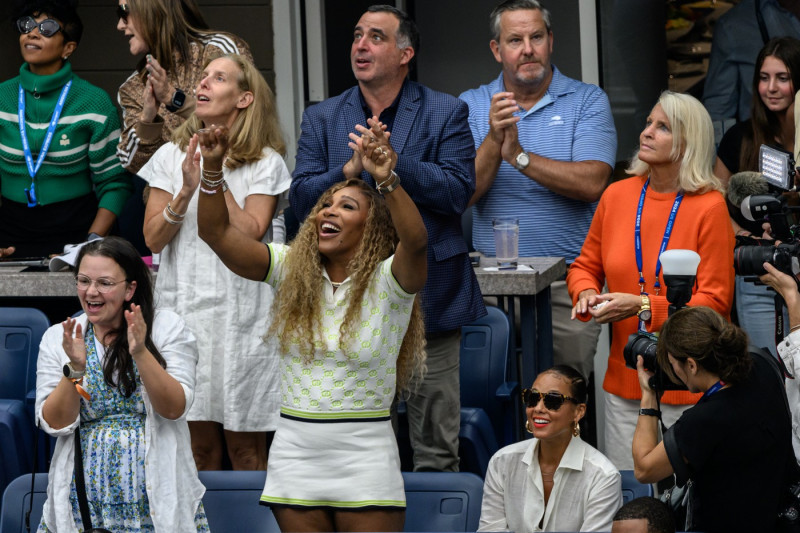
pixel 336 284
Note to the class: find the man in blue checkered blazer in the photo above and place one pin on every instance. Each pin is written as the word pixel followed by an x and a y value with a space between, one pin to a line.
pixel 432 142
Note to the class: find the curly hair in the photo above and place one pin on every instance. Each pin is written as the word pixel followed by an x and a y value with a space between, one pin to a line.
pixel 704 335
pixel 300 291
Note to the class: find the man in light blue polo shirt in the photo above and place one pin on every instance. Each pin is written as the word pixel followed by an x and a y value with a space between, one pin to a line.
pixel 546 146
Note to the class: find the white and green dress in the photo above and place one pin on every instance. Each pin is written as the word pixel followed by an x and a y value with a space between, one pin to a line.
pixel 334 446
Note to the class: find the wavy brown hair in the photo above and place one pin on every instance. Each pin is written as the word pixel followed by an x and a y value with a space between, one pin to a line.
pixel 296 322
pixel 256 126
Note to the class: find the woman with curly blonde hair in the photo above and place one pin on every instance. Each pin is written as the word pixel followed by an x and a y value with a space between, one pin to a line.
pixel 352 333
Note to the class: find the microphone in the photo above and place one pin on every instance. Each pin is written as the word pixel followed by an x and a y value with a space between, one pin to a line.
pixel 744 184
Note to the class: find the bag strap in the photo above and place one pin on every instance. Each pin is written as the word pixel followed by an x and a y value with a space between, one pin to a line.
pixel 33 475
pixel 80 483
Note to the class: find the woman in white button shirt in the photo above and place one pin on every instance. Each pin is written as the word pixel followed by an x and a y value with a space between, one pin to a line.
pixel 555 481
pixel 121 376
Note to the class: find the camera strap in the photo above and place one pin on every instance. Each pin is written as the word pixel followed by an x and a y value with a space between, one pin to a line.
pixel 664 240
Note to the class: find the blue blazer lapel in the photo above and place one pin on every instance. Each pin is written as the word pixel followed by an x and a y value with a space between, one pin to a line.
pixel 406 115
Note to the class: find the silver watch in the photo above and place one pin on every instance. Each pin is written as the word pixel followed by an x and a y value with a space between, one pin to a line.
pixel 522 161
pixel 386 189
pixel 71 373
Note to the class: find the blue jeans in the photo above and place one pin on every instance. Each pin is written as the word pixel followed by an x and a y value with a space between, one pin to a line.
pixel 755 306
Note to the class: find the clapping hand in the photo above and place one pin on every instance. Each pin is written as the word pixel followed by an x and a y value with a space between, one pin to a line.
pixel 73 344
pixel 354 166
pixel 191 167
pixel 377 156
pixel 137 330
pixel 213 142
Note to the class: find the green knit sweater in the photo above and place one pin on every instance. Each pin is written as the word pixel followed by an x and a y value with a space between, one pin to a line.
pixel 82 155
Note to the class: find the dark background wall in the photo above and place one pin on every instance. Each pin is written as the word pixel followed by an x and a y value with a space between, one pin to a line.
pixel 103 57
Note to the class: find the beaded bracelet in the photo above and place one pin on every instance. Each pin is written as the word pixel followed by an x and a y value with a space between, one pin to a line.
pixel 213 173
pixel 168 219
pixel 208 191
pixel 173 213
pixel 211 183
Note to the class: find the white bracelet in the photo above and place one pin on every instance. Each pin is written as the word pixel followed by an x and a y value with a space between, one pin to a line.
pixel 168 219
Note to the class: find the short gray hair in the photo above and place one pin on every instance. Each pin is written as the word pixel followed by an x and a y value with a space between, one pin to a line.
pixel 514 5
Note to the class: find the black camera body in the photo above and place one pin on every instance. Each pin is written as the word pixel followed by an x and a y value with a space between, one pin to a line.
pixel 646 345
pixel 748 260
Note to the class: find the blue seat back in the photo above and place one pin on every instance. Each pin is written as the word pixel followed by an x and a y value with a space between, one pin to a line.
pixel 232 504
pixel 16 500
pixel 21 330
pixel 487 368
pixel 442 501
pixel 437 501
pixel 631 488
pixel 476 442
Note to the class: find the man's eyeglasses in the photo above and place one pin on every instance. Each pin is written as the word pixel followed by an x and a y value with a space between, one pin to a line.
pixel 103 285
pixel 123 12
pixel 47 27
pixel 552 400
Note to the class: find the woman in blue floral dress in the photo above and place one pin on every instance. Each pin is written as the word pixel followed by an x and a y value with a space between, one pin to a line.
pixel 123 375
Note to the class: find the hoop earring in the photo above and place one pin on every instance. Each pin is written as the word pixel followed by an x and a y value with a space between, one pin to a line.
pixel 528 427
pixel 576 430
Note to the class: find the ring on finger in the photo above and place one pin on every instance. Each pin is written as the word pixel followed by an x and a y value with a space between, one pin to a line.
pixel 379 150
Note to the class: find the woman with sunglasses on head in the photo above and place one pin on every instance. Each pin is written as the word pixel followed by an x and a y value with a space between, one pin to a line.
pixel 174 43
pixel 555 481
pixel 121 377
pixel 351 332
pixel 735 443
pixel 59 179
pixel 238 375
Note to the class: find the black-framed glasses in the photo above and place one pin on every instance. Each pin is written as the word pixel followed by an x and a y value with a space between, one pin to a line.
pixel 552 400
pixel 103 285
pixel 47 27
pixel 123 12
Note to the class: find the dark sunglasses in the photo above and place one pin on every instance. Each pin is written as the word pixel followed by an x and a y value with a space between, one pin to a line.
pixel 552 400
pixel 47 27
pixel 123 12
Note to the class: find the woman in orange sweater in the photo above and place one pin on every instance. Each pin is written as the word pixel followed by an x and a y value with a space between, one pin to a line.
pixel 672 202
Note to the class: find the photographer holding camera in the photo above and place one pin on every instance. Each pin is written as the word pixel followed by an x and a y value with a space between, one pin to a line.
pixel 734 444
pixel 789 347
pixel 672 201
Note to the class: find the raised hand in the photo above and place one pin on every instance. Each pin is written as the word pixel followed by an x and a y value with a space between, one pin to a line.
pixel 377 155
pixel 73 343
pixel 149 103
pixel 137 330
pixel 501 116
pixel 191 167
pixel 159 80
pixel 213 142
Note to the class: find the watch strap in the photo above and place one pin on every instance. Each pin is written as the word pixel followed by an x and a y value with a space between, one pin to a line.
pixel 386 187
pixel 650 412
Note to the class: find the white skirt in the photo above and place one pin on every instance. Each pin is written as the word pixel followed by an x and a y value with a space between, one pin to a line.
pixel 346 465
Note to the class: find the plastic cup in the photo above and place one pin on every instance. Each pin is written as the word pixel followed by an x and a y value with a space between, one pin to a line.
pixel 506 242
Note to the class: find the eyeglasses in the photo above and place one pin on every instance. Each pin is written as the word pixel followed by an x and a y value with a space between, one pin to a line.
pixel 47 27
pixel 123 12
pixel 552 400
pixel 103 285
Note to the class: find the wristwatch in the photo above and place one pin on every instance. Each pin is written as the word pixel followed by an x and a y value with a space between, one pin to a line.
pixel 650 412
pixel 386 189
pixel 71 373
pixel 522 161
pixel 178 99
pixel 645 313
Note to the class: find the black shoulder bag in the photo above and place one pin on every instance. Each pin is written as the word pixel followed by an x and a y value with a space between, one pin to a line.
pixel 80 488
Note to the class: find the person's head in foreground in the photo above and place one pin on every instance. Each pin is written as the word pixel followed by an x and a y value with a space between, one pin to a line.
pixel 555 404
pixel 644 515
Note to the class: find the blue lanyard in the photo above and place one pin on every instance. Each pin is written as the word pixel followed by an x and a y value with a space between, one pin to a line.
pixel 51 129
pixel 664 240
pixel 714 388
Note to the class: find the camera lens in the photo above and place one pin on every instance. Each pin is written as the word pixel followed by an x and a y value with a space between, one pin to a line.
pixel 749 260
pixel 644 344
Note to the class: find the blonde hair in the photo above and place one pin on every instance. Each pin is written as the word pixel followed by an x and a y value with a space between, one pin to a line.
pixel 692 136
pixel 293 309
pixel 255 127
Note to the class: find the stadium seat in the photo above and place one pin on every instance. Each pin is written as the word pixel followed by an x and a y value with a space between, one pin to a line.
pixel 21 330
pixel 631 488
pixel 436 502
pixel 487 371
pixel 476 441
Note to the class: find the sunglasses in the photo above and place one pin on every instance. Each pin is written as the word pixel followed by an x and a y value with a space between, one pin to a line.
pixel 552 400
pixel 47 27
pixel 123 12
